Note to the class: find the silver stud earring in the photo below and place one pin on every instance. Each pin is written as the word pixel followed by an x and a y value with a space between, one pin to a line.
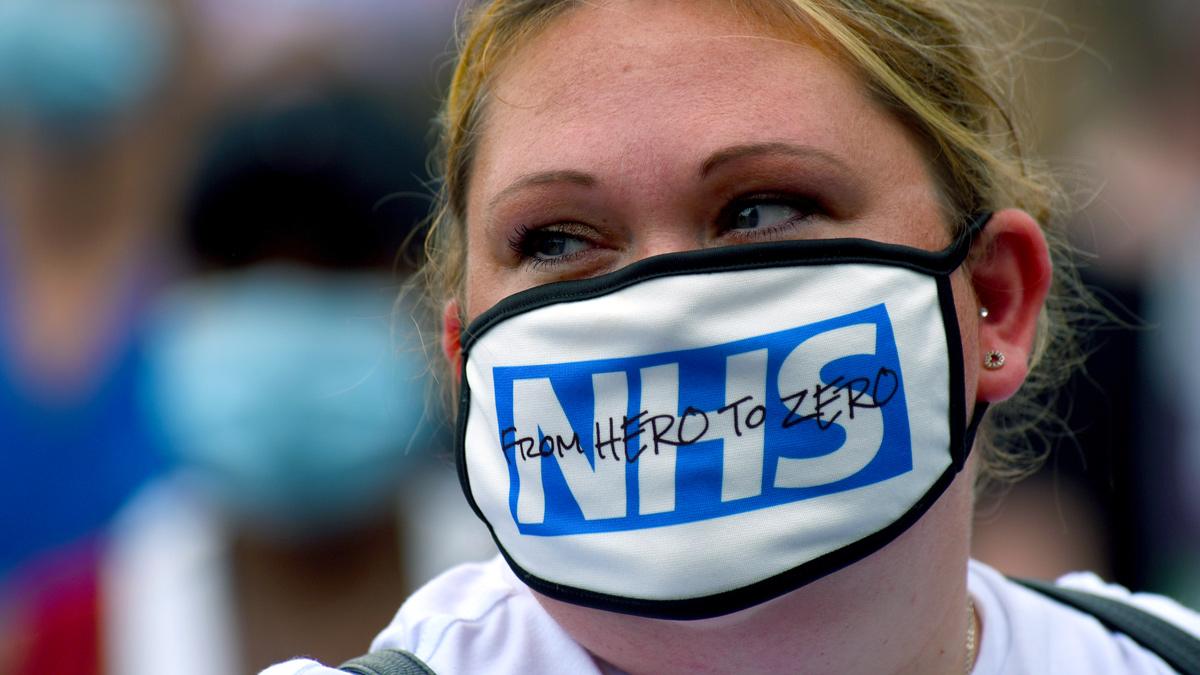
pixel 983 312
pixel 993 360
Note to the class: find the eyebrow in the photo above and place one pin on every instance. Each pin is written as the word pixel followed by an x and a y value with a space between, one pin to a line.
pixel 737 152
pixel 714 161
pixel 545 178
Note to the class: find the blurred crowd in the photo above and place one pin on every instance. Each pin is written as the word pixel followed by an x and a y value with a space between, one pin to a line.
pixel 220 424
pixel 216 410
pixel 1118 493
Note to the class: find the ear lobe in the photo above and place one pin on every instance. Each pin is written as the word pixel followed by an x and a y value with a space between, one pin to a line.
pixel 452 327
pixel 1011 273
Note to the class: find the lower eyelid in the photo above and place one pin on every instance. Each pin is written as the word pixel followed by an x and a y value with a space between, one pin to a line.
pixel 546 263
pixel 771 231
pixel 586 263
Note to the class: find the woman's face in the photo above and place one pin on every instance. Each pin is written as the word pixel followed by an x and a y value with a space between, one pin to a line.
pixel 631 129
pixel 628 130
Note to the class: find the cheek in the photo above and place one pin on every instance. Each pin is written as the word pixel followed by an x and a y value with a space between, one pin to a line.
pixel 967 308
pixel 475 296
pixel 477 275
pixel 485 281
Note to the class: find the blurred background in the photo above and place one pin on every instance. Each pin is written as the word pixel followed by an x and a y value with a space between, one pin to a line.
pixel 198 195
pixel 1113 87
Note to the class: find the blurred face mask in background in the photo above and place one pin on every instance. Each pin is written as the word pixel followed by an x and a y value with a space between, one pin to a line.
pixel 288 392
pixel 70 67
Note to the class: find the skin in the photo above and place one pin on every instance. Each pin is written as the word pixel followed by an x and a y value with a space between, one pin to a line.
pixel 627 130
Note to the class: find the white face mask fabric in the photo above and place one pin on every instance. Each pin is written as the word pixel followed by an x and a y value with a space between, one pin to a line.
pixel 700 432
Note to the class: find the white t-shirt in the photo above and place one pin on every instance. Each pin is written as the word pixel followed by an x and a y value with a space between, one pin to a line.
pixel 479 618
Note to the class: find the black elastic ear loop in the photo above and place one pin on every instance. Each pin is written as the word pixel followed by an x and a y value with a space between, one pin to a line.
pixel 976 223
pixel 974 226
pixel 960 459
pixel 961 248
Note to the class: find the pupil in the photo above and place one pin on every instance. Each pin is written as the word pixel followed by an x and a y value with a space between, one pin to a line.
pixel 747 218
pixel 553 247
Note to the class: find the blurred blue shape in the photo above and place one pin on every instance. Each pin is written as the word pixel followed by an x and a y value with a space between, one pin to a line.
pixel 68 65
pixel 282 385
pixel 67 465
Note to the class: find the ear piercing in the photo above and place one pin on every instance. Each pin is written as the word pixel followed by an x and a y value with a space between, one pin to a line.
pixel 993 360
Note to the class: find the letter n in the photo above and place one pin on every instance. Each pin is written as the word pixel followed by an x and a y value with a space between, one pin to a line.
pixel 597 486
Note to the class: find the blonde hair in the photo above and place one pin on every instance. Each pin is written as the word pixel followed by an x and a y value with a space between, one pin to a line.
pixel 924 61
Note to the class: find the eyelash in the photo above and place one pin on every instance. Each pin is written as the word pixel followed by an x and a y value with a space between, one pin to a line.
pixel 524 238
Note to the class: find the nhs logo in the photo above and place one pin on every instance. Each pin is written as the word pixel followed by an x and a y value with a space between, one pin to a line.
pixel 667 438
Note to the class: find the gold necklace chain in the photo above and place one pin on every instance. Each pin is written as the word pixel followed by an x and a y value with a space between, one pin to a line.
pixel 971 638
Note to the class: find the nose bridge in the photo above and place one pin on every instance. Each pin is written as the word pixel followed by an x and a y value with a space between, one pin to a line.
pixel 667 234
pixel 659 194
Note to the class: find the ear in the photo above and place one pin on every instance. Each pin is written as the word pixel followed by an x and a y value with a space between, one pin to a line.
pixel 452 336
pixel 1011 274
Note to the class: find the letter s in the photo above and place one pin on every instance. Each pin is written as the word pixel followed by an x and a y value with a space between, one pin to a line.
pixel 864 436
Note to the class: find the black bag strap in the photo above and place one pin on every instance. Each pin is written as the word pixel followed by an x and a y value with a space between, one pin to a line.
pixel 387 662
pixel 1178 648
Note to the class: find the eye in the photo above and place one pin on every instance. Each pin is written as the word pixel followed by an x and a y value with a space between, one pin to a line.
pixel 762 215
pixel 765 213
pixel 549 245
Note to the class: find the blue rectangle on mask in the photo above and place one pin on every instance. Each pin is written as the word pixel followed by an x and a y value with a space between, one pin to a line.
pixel 681 436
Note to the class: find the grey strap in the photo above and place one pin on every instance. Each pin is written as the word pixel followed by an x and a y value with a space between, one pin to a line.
pixel 387 662
pixel 1178 648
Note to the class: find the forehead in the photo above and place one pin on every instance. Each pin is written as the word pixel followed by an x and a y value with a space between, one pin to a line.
pixel 630 87
pixel 669 57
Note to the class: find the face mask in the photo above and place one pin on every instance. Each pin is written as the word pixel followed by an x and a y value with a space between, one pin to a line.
pixel 287 391
pixel 704 431
pixel 69 66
